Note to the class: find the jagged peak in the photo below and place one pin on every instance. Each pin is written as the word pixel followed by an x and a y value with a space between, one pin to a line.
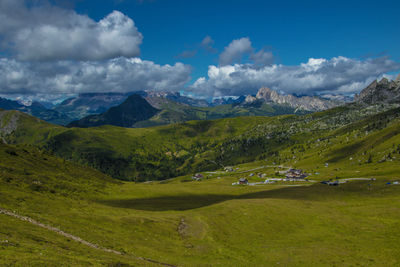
pixel 384 80
pixel 250 99
pixel 383 91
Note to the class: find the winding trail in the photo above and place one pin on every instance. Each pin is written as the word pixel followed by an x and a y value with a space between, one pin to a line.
pixel 76 238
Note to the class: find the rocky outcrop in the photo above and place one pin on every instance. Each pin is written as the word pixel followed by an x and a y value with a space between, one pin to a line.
pixel 249 99
pixel 8 122
pixel 176 97
pixel 384 91
pixel 309 103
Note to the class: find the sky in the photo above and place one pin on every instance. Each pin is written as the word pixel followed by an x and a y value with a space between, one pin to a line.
pixel 53 48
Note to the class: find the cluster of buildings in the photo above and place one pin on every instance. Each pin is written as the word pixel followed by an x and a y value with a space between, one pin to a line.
pixel 295 174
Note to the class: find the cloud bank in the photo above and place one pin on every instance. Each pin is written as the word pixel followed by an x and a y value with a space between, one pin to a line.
pixel 336 75
pixel 49 51
pixel 36 30
pixel 71 77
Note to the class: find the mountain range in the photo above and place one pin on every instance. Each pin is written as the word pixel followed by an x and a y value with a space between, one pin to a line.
pixel 36 109
pixel 158 108
pixel 132 110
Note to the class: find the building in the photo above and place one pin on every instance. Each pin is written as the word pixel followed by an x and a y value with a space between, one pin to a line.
pixel 229 169
pixel 198 176
pixel 243 181
pixel 295 174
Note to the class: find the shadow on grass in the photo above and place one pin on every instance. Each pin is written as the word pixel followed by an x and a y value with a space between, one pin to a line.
pixel 194 201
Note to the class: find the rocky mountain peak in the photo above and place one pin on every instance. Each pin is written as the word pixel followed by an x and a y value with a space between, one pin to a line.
pixel 250 99
pixel 383 91
pixel 264 93
pixel 306 102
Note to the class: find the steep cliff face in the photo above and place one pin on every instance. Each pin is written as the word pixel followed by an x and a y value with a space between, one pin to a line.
pixel 309 103
pixel 384 91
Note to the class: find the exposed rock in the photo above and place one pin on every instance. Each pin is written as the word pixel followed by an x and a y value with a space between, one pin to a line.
pixel 8 123
pixel 384 91
pixel 177 97
pixel 310 103
pixel 250 99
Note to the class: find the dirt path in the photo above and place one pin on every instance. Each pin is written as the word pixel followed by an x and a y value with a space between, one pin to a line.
pixel 76 238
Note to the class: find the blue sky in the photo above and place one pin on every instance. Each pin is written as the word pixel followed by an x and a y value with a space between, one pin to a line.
pixel 293 30
pixel 60 47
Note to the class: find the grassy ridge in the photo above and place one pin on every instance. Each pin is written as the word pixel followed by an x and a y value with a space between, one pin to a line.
pixel 173 112
pixel 194 223
pixel 190 223
pixel 178 149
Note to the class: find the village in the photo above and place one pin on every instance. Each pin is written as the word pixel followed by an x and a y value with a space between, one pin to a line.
pixel 247 177
pixel 290 175
pixel 254 176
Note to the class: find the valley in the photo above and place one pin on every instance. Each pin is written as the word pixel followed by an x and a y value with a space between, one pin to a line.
pixel 184 222
pixel 199 133
pixel 66 178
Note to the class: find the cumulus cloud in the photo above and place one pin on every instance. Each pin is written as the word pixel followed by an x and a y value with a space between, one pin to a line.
pixel 235 51
pixel 70 77
pixel 336 75
pixel 37 30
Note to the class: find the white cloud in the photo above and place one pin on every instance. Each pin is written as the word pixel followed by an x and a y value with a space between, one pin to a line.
pixel 70 77
pixel 336 75
pixel 235 51
pixel 41 31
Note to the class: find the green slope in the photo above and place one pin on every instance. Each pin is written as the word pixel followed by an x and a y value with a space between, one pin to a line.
pixel 168 151
pixel 190 223
pixel 172 112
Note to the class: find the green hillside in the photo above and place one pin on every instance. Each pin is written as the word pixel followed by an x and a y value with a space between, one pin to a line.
pixel 136 112
pixel 172 112
pixel 191 223
pixel 183 222
pixel 168 151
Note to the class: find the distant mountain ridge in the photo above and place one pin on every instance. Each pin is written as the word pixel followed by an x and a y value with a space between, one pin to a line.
pixel 132 110
pixel 35 109
pixel 383 91
pixel 309 103
pixel 90 103
pixel 177 97
pixel 173 107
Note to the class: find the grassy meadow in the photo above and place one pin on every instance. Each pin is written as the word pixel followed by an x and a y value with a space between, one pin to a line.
pixel 193 223
pixel 211 222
